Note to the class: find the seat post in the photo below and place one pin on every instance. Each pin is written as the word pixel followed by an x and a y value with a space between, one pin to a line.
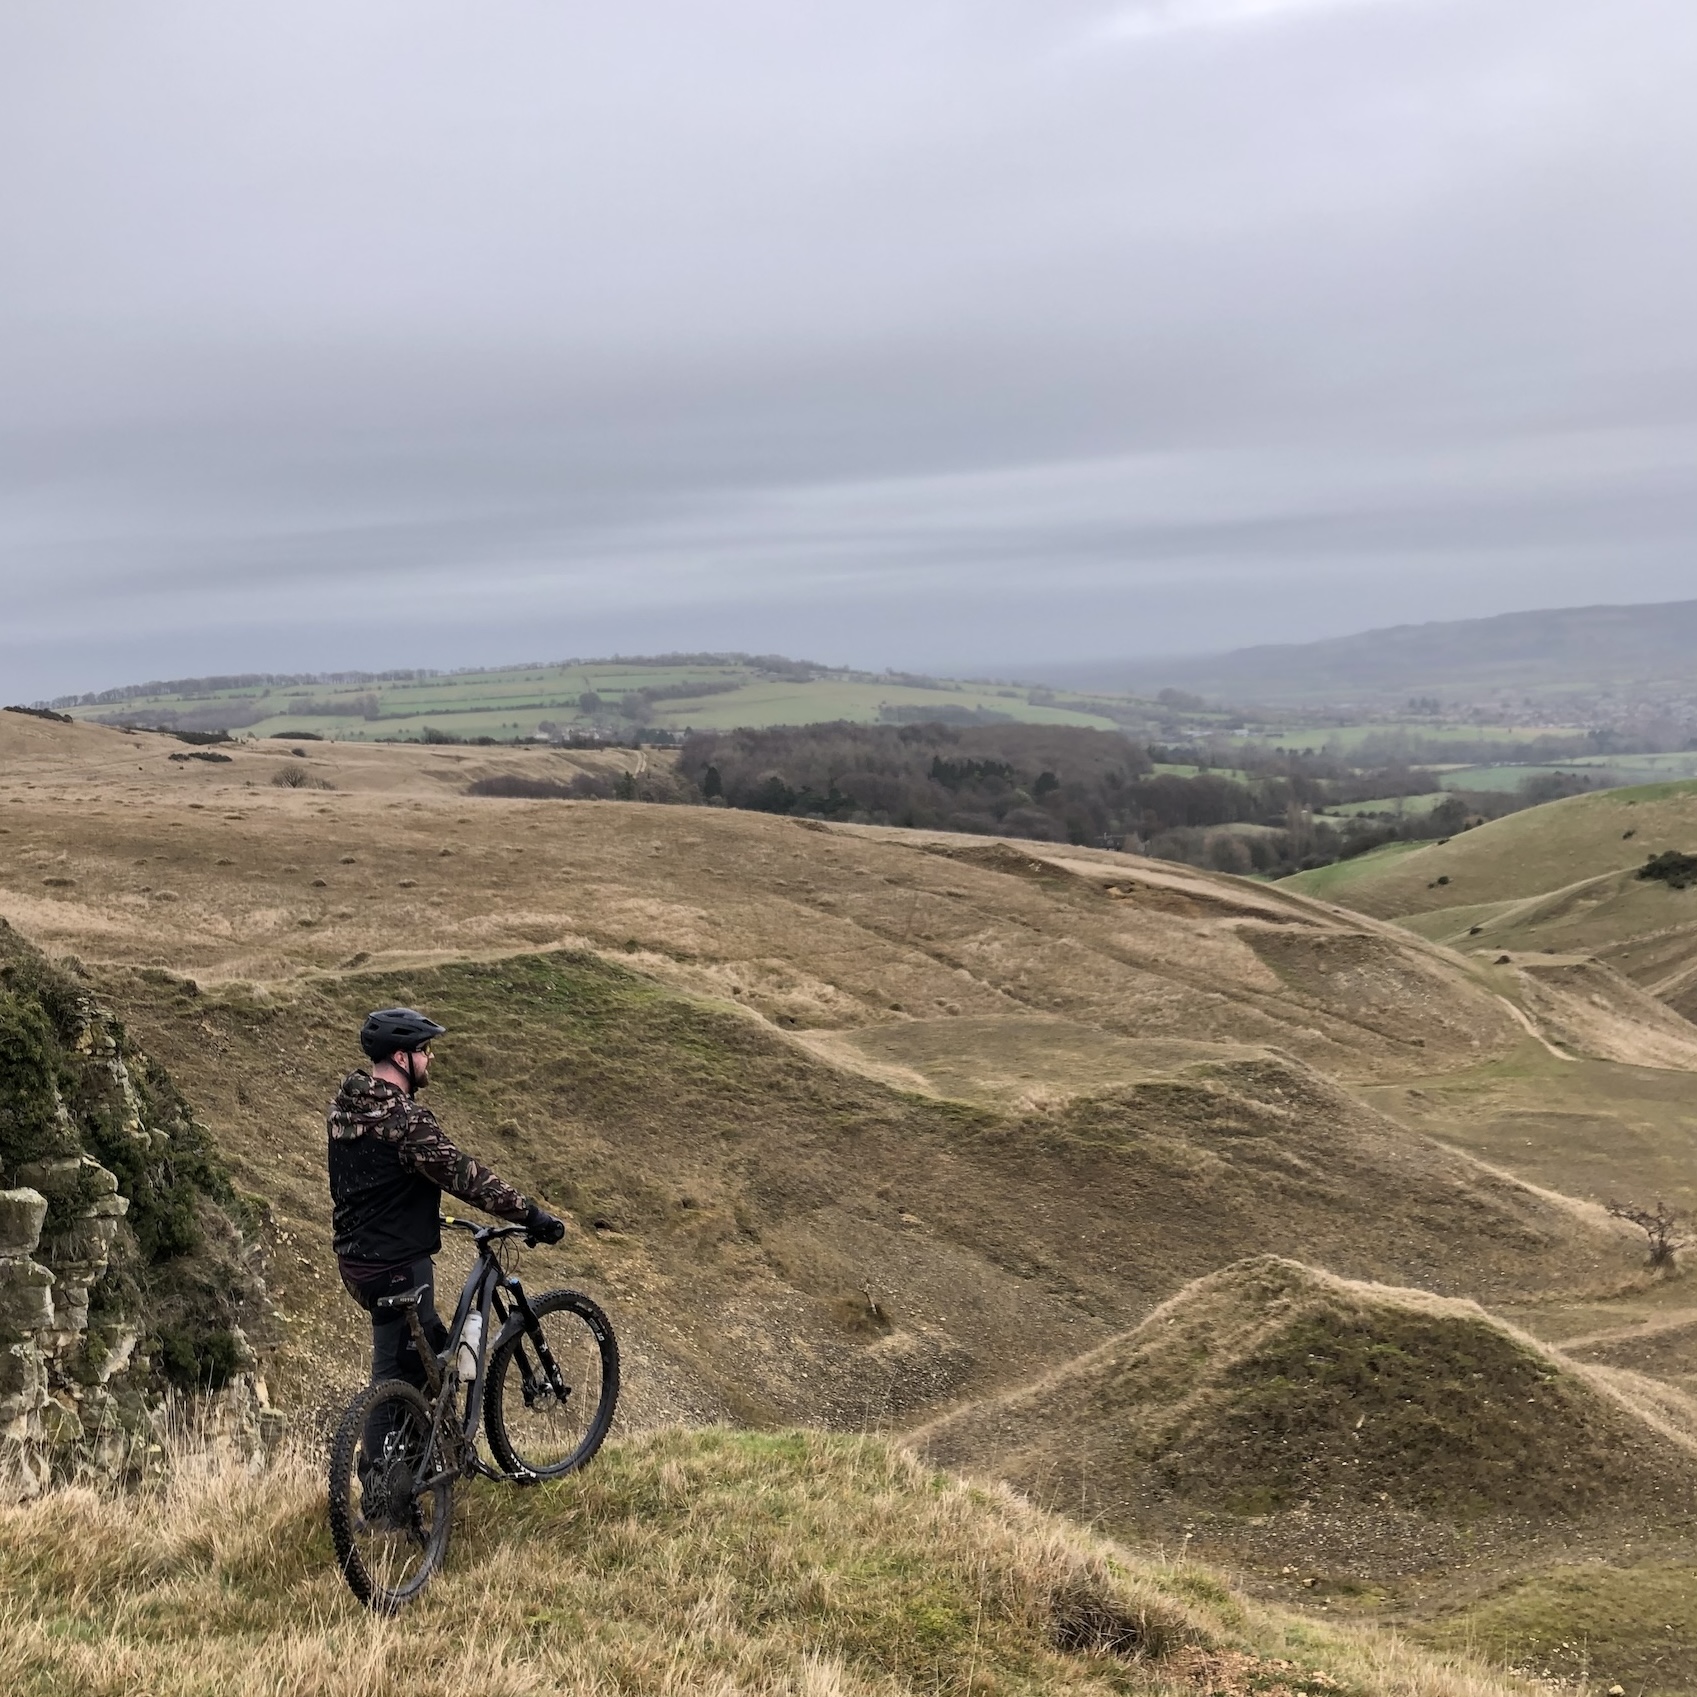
pixel 408 1302
pixel 426 1354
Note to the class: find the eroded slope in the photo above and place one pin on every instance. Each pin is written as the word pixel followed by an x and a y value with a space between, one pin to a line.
pixel 783 1239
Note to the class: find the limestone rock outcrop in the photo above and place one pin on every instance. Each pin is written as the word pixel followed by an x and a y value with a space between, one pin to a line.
pixel 126 1257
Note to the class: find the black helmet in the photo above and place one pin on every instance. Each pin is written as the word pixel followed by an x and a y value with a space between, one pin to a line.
pixel 389 1029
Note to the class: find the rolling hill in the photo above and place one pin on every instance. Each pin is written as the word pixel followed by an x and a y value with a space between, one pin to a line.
pixel 1344 1440
pixel 594 697
pixel 1561 879
pixel 923 1113
pixel 1366 1425
pixel 856 1126
pixel 1551 654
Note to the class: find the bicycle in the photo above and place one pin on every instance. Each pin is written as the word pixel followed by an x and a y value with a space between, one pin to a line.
pixel 546 1389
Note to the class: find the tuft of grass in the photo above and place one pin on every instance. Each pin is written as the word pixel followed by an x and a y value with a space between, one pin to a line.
pixel 684 1561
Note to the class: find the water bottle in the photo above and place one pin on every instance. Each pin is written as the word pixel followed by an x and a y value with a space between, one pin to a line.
pixel 465 1358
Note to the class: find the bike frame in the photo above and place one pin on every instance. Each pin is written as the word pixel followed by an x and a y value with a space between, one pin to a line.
pixel 487 1289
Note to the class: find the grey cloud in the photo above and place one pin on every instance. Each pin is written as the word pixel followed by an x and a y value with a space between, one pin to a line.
pixel 921 334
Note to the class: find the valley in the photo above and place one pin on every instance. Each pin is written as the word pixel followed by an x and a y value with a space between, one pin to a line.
pixel 899 1132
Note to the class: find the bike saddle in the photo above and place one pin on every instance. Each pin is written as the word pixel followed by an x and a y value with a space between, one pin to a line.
pixel 406 1299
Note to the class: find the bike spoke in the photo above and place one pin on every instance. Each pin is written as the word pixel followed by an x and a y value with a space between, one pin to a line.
pixel 390 1497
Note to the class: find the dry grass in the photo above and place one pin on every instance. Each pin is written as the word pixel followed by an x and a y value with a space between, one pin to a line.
pixel 1112 1124
pixel 700 1562
pixel 221 873
pixel 736 1176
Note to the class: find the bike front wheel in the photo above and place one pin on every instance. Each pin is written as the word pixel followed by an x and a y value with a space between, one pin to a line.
pixel 552 1388
pixel 391 1497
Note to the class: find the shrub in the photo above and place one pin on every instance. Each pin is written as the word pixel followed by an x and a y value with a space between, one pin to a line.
pixel 1674 869
pixel 1659 1225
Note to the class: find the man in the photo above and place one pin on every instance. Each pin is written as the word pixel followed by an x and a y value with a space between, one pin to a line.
pixel 389 1164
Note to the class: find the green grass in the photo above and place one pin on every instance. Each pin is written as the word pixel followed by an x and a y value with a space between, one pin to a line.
pixel 1615 771
pixel 1493 777
pixel 512 702
pixel 1525 854
pixel 1649 766
pixel 1587 1128
pixel 719 1562
pixel 1630 1625
pixel 1399 807
pixel 1345 739
pixel 1326 881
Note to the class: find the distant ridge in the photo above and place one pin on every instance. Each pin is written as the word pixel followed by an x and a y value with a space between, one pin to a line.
pixel 1555 652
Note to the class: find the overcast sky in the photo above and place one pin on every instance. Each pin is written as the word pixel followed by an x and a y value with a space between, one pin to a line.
pixel 961 335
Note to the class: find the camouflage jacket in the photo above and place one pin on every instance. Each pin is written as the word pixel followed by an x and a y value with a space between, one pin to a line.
pixel 389 1163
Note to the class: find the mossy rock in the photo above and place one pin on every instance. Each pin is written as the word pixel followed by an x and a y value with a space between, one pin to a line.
pixel 95 1128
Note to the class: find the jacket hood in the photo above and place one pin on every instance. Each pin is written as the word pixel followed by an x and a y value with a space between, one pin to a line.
pixel 365 1100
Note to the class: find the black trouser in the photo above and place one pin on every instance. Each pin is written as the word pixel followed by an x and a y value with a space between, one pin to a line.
pixel 394 1354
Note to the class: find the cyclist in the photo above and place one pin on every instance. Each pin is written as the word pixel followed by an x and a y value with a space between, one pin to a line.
pixel 390 1161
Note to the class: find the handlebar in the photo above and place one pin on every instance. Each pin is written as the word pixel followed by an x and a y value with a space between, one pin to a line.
pixel 485 1234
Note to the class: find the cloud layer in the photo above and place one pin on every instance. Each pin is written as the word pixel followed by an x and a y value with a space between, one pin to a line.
pixel 918 335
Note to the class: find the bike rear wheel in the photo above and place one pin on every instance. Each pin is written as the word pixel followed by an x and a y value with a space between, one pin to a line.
pixel 390 1534
pixel 552 1388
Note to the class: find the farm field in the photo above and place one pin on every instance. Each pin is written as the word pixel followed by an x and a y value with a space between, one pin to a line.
pixel 1346 739
pixel 1616 771
pixel 608 698
pixel 730 693
pixel 1396 807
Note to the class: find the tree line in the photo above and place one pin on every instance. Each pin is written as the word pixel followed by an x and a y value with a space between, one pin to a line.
pixel 1067 784
pixel 1051 783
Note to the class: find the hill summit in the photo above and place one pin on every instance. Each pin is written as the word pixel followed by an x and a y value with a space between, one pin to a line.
pixel 1272 1390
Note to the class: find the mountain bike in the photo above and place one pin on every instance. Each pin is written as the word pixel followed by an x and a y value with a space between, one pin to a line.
pixel 545 1379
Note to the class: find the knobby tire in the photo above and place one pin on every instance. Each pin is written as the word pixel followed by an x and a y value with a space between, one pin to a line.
pixel 543 1437
pixel 388 1558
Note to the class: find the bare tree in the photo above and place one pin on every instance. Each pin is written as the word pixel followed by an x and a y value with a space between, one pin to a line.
pixel 1659 1224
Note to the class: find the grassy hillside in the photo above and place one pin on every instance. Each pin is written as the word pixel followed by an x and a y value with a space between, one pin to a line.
pixel 1292 1414
pixel 1561 878
pixel 610 696
pixel 120 855
pixel 855 1125
pixel 785 1063
pixel 866 1253
pixel 1351 1442
pixel 736 1564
